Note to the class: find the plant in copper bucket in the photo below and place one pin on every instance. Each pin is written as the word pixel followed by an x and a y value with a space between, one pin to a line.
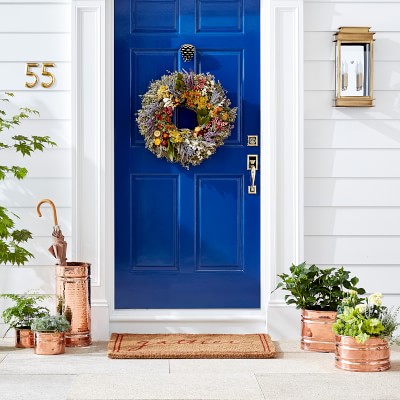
pixel 20 316
pixel 49 332
pixel 365 329
pixel 318 293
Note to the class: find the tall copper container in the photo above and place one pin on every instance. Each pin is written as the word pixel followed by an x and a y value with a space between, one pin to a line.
pixel 24 338
pixel 49 343
pixel 371 356
pixel 73 299
pixel 316 331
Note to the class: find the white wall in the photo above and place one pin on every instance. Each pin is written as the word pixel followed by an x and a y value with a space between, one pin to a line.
pixel 38 31
pixel 352 155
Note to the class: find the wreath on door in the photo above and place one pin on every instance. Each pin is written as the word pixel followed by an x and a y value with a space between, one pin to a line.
pixel 200 93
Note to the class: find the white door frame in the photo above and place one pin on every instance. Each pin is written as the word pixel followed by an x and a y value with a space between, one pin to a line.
pixel 281 173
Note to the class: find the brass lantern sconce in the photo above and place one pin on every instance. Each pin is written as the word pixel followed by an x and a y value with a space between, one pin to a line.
pixel 354 67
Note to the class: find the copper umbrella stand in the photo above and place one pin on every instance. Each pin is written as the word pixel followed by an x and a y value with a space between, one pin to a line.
pixel 73 287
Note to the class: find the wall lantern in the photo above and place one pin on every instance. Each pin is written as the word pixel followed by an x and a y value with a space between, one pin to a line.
pixel 354 67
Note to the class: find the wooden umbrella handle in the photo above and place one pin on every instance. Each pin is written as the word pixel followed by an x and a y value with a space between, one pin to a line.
pixel 52 205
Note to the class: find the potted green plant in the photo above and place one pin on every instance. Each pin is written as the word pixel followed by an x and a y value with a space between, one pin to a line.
pixel 49 333
pixel 20 316
pixel 11 239
pixel 364 332
pixel 318 293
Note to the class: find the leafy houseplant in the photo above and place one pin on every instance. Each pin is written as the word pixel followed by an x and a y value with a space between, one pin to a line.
pixel 364 330
pixel 366 318
pixel 11 239
pixel 49 334
pixel 313 288
pixel 50 323
pixel 318 293
pixel 20 316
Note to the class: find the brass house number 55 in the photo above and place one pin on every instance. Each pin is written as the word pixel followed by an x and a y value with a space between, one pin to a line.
pixel 51 78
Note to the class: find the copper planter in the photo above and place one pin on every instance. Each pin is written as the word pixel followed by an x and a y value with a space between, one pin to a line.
pixel 316 331
pixel 371 356
pixel 73 294
pixel 24 338
pixel 49 343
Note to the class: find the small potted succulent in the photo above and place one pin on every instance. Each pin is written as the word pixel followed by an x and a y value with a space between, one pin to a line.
pixel 20 316
pixel 318 293
pixel 49 333
pixel 364 332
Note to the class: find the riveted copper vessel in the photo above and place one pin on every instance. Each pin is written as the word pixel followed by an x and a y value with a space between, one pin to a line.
pixel 49 343
pixel 316 331
pixel 371 356
pixel 73 297
pixel 24 338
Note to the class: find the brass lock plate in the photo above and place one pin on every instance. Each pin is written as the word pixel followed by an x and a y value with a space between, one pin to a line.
pixel 252 140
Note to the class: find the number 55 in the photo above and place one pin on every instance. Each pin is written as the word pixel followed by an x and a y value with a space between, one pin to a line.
pixel 28 72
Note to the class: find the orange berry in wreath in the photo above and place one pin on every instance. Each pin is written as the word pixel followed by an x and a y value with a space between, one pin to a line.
pixel 165 136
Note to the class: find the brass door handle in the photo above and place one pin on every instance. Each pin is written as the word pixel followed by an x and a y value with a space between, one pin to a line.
pixel 252 166
pixel 252 189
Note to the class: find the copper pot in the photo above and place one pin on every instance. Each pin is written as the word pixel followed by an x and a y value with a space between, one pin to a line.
pixel 24 338
pixel 370 356
pixel 316 331
pixel 49 343
pixel 73 296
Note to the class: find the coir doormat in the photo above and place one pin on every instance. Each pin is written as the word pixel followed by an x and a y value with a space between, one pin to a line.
pixel 190 346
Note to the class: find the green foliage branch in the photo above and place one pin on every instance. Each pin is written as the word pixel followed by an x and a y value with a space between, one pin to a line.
pixel 11 250
pixel 313 288
pixel 25 309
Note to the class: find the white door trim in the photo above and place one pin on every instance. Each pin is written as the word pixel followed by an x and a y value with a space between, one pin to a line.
pixel 281 201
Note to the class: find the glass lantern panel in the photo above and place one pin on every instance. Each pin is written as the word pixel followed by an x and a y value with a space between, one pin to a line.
pixel 355 70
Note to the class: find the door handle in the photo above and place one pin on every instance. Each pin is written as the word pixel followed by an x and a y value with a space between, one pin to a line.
pixel 252 165
pixel 252 189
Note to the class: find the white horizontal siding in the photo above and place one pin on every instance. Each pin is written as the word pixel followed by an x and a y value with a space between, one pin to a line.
pixel 28 47
pixel 347 250
pixel 353 134
pixel 51 163
pixel 27 193
pixel 352 155
pixel 319 105
pixel 330 16
pixel 352 221
pixel 353 192
pixel 351 163
pixel 50 104
pixel 48 18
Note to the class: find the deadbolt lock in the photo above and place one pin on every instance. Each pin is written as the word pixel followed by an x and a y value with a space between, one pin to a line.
pixel 252 140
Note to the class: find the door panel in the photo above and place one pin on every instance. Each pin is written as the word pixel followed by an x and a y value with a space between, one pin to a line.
pixel 186 238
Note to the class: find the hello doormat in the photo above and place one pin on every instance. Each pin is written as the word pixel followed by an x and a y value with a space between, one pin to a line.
pixel 190 346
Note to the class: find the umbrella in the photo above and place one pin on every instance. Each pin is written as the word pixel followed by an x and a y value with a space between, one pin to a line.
pixel 59 247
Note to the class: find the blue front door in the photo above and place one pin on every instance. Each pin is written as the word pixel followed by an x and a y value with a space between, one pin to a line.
pixel 186 238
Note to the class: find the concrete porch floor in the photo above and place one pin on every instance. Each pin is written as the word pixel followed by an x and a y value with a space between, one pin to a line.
pixel 87 374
